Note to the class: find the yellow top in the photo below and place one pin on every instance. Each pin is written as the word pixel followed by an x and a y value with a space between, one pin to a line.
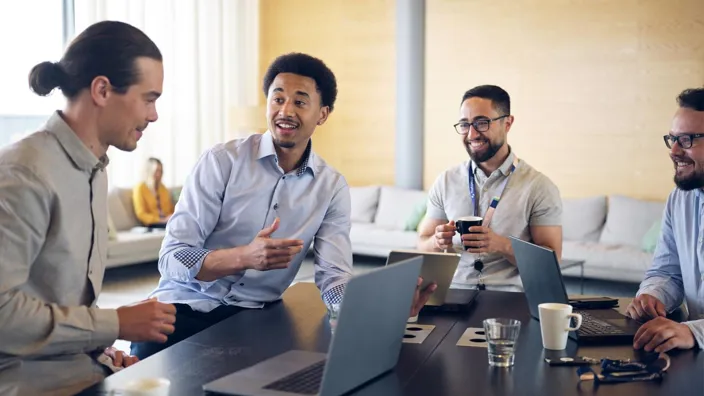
pixel 145 204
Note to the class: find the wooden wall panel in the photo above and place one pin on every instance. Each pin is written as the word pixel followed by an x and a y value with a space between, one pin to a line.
pixel 593 84
pixel 356 40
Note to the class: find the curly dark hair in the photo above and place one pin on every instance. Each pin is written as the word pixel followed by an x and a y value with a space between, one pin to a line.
pixel 307 66
pixel 692 98
pixel 500 100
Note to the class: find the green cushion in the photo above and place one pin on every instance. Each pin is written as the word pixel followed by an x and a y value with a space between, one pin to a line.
pixel 175 194
pixel 416 216
pixel 650 239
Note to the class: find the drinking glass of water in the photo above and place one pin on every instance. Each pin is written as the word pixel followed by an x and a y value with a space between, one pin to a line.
pixel 501 335
pixel 333 313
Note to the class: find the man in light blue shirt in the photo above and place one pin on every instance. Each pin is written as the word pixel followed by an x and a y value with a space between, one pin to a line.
pixel 677 273
pixel 250 206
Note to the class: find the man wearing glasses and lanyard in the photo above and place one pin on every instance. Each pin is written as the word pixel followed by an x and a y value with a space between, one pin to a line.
pixel 512 197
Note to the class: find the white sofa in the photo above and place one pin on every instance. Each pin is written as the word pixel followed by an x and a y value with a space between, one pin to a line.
pixel 379 215
pixel 129 242
pixel 605 232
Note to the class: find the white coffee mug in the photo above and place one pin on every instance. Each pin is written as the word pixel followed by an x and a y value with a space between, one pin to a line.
pixel 147 387
pixel 555 324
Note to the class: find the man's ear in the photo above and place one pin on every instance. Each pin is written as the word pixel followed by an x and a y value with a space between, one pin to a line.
pixel 324 113
pixel 509 122
pixel 100 90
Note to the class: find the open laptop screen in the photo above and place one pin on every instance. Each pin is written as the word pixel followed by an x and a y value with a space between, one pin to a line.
pixel 540 274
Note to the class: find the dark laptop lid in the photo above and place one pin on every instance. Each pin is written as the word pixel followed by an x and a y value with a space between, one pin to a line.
pixel 540 274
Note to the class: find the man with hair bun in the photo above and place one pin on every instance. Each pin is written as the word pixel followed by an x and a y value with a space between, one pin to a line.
pixel 53 218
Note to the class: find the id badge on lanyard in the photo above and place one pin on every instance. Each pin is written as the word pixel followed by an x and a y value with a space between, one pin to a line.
pixel 494 201
pixel 486 220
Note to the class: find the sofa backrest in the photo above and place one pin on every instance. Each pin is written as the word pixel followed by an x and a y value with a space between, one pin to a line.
pixel 364 203
pixel 583 218
pixel 121 209
pixel 396 205
pixel 629 219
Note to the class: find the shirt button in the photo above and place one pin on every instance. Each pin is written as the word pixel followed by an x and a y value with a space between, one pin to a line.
pixel 241 284
pixel 276 206
pixel 284 177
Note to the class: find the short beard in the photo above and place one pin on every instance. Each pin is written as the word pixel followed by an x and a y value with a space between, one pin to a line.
pixel 690 183
pixel 490 152
pixel 286 145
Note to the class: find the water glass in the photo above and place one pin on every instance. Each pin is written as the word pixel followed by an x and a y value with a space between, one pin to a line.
pixel 501 335
pixel 333 314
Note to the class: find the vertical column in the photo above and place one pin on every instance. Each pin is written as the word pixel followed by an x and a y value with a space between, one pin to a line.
pixel 69 24
pixel 410 69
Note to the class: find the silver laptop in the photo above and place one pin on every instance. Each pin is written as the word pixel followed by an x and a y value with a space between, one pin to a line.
pixel 365 345
pixel 437 267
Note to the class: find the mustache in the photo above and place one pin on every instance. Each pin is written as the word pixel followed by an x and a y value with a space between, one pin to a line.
pixel 679 158
pixel 287 119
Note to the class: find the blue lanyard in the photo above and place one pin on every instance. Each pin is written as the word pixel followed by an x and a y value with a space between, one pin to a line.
pixel 500 191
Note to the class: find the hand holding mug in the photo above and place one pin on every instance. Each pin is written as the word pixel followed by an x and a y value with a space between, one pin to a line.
pixel 443 235
pixel 464 224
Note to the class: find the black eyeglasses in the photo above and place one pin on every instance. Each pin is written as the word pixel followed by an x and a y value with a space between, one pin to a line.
pixel 685 141
pixel 480 125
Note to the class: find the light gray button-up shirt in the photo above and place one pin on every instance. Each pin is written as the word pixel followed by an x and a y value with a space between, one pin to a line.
pixel 53 249
pixel 236 190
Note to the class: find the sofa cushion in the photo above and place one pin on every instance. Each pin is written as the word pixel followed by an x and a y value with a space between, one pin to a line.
pixel 370 235
pixel 583 218
pixel 416 216
pixel 629 219
pixel 133 243
pixel 608 257
pixel 395 206
pixel 364 203
pixel 122 216
pixel 650 239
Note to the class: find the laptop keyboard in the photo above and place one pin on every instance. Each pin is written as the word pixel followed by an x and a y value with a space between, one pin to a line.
pixel 594 326
pixel 305 382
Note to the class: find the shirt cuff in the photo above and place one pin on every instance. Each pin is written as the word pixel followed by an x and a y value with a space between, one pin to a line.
pixel 656 290
pixel 192 259
pixel 334 294
pixel 107 328
pixel 697 329
pixel 432 212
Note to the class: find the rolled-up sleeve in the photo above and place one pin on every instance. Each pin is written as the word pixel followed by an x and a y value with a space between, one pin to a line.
pixel 547 204
pixel 28 325
pixel 664 278
pixel 196 215
pixel 332 247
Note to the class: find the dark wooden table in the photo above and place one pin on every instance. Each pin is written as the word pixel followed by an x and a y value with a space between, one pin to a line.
pixel 435 367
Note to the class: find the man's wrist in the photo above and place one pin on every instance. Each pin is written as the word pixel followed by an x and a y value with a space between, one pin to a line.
pixel 238 258
pixel 506 249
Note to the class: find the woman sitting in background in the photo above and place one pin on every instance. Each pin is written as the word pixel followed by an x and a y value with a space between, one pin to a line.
pixel 151 199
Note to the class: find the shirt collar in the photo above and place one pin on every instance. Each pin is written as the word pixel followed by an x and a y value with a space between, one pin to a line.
pixel 266 149
pixel 505 167
pixel 77 151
